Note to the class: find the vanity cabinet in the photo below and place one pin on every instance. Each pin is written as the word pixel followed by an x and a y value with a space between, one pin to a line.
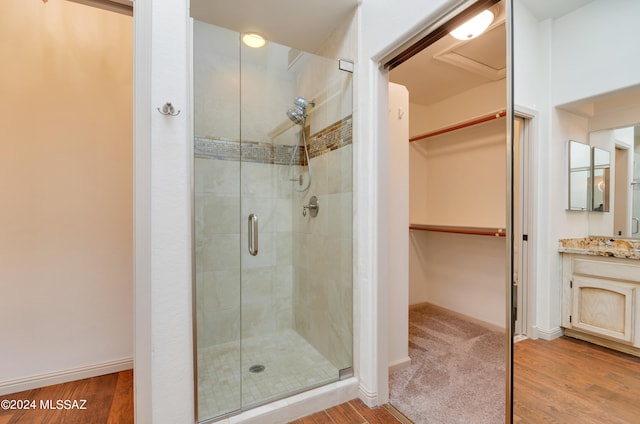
pixel 600 300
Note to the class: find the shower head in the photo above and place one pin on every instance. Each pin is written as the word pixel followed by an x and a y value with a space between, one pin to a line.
pixel 302 103
pixel 296 116
pixel 299 113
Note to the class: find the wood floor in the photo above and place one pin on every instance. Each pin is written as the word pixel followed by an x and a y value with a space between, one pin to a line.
pixel 352 412
pixel 107 399
pixel 559 381
pixel 569 381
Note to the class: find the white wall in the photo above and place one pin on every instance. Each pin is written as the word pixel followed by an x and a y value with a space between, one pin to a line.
pixel 66 178
pixel 458 179
pixel 461 272
pixel 590 50
pixel 465 106
pixel 532 91
pixel 163 350
pixel 398 289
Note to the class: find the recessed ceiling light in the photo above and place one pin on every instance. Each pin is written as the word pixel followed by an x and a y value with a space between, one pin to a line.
pixel 254 40
pixel 474 26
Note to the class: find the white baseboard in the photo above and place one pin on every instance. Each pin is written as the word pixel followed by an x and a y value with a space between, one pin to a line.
pixel 64 376
pixel 532 332
pixel 369 398
pixel 399 364
pixel 549 334
pixel 519 338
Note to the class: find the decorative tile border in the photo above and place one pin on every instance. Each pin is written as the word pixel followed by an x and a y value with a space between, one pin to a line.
pixel 250 151
pixel 333 137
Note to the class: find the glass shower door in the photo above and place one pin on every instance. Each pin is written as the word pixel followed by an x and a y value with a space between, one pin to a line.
pixel 272 221
pixel 296 257
pixel 216 200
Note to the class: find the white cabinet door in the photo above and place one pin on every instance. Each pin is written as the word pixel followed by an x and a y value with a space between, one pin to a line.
pixel 603 307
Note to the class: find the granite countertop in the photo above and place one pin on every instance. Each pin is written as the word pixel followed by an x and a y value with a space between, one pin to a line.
pixel 602 246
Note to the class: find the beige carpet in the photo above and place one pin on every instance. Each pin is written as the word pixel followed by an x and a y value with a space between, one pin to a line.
pixel 457 372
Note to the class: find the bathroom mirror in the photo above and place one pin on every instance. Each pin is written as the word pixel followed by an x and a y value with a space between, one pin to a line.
pixel 579 182
pixel 601 180
pixel 616 166
pixel 575 77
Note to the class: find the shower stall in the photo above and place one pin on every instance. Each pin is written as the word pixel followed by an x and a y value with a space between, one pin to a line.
pixel 273 216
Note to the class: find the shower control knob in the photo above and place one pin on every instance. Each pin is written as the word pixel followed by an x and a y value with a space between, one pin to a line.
pixel 313 207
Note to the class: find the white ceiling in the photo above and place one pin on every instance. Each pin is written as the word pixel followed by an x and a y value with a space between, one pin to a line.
pixel 431 75
pixel 446 68
pixel 449 66
pixel 545 9
pixel 302 24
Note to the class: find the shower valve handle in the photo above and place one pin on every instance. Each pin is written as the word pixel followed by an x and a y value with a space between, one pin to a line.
pixel 313 207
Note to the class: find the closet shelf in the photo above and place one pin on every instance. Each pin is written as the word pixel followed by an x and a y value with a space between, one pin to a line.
pixel 479 231
pixel 479 120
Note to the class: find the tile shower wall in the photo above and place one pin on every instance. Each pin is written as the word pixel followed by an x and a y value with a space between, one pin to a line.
pixel 217 229
pixel 268 293
pixel 322 255
pixel 276 295
pixel 267 277
pixel 224 267
pixel 322 246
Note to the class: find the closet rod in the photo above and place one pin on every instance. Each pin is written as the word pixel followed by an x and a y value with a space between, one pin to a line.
pixel 499 232
pixel 476 121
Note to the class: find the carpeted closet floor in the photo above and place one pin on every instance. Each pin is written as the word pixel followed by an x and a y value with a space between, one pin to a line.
pixel 457 371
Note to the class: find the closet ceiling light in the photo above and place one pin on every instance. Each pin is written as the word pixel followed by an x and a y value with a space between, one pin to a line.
pixel 474 26
pixel 254 40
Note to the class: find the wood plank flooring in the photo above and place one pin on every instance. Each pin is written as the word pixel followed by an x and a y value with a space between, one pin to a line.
pixel 559 381
pixel 570 381
pixel 352 412
pixel 107 399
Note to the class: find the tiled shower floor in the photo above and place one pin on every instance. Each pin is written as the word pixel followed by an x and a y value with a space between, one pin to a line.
pixel 291 365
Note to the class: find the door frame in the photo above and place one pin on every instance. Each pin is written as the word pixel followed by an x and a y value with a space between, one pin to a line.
pixel 528 210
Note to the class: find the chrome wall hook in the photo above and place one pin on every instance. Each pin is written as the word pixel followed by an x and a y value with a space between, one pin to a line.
pixel 168 109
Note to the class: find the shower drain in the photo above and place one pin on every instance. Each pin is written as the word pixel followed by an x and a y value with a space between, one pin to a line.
pixel 256 368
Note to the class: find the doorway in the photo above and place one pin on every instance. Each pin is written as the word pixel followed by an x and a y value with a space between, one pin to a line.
pixel 67 251
pixel 523 171
pixel 457 220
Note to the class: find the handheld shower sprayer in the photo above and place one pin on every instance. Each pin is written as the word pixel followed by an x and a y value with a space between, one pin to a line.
pixel 298 114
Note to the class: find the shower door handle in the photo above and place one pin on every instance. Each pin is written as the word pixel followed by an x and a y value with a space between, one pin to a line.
pixel 253 234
